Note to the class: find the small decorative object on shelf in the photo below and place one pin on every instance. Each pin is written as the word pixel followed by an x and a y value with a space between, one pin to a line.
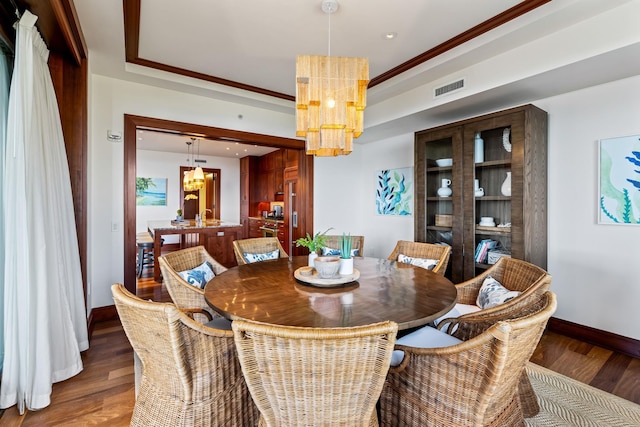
pixel 505 139
pixel 445 191
pixel 478 191
pixel 506 185
pixel 179 215
pixel 478 148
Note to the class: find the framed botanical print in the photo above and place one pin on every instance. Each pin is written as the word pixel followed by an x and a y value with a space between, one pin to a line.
pixel 619 181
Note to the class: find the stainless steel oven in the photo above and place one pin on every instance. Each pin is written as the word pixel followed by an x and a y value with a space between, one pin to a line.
pixel 269 231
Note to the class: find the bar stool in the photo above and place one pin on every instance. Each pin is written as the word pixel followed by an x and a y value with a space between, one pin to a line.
pixel 144 241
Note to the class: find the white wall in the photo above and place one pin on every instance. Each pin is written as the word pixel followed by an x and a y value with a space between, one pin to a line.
pixel 595 268
pixel 154 164
pixel 345 189
pixel 110 99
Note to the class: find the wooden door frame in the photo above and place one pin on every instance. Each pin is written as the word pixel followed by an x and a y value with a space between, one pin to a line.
pixel 133 123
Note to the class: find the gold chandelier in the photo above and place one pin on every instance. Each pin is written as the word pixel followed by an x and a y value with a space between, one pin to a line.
pixel 331 95
pixel 194 178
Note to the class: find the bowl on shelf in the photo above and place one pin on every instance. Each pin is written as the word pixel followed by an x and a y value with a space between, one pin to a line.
pixel 327 266
pixel 444 162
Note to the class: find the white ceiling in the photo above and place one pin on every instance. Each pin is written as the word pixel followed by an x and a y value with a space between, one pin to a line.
pixel 255 43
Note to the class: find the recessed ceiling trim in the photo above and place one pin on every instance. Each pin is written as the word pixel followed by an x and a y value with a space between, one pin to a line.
pixel 484 27
pixel 132 38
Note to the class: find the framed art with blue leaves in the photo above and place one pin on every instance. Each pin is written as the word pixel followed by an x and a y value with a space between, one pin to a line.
pixel 619 197
pixel 394 192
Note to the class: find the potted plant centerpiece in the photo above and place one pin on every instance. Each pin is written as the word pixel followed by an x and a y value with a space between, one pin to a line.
pixel 346 258
pixel 314 244
pixel 179 216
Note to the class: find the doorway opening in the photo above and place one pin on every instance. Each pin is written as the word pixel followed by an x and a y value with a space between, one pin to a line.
pixel 134 123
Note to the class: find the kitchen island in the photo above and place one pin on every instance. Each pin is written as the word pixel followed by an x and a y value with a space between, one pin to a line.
pixel 215 235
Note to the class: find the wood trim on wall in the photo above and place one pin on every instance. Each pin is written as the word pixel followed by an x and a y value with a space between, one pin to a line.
pixel 60 28
pixel 133 123
pixel 604 339
pixel 132 38
pixel 70 83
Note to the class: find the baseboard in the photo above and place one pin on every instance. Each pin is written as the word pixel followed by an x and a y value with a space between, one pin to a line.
pixel 101 314
pixel 608 340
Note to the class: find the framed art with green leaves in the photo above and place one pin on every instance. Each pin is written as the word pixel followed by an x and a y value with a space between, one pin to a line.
pixel 394 191
pixel 619 196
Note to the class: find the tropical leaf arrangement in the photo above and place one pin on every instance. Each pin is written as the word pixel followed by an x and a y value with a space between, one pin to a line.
pixel 315 243
pixel 393 195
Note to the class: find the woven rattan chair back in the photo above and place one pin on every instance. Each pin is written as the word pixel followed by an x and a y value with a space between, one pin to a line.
pixel 313 376
pixel 256 245
pixel 183 294
pixel 424 250
pixel 474 383
pixel 513 274
pixel 190 373
pixel 357 242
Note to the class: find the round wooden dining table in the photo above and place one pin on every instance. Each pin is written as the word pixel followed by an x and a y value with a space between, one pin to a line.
pixel 386 290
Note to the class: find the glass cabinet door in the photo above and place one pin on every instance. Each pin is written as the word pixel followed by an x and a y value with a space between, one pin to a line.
pixel 438 216
pixel 489 146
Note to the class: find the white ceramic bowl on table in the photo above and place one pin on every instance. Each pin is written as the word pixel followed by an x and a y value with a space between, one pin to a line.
pixel 327 266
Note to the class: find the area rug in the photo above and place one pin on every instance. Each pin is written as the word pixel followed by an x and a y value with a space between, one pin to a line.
pixel 566 402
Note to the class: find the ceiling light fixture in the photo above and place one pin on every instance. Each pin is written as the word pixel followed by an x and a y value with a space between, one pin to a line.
pixel 331 95
pixel 187 180
pixel 198 173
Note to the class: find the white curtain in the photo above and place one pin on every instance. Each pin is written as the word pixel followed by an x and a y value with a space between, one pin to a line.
pixel 5 75
pixel 45 318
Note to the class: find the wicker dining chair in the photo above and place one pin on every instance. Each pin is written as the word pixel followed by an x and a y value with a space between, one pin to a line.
pixel 190 372
pixel 314 376
pixel 332 243
pixel 256 246
pixel 514 274
pixel 473 324
pixel 183 294
pixel 428 251
pixel 473 383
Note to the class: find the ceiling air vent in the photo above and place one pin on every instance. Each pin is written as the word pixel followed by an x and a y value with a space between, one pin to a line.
pixel 448 88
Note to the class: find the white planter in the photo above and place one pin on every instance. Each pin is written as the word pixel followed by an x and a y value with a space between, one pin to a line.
pixel 346 266
pixel 312 257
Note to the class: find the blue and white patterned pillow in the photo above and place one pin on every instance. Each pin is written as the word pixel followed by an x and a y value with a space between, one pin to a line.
pixel 198 276
pixel 336 252
pixel 492 293
pixel 427 263
pixel 261 257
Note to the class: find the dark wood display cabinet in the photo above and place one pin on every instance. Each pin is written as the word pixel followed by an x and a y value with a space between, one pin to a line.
pixel 509 145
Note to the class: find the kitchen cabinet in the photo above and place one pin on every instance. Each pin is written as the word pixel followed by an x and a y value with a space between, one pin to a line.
pixel 510 143
pixel 255 227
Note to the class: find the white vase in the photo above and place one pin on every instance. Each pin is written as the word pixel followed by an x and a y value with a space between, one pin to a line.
pixel 506 185
pixel 445 191
pixel 346 266
pixel 478 149
pixel 312 257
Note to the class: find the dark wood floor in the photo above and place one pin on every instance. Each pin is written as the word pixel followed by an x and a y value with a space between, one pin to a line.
pixel 103 393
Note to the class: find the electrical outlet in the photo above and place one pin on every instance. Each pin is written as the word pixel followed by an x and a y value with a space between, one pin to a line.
pixel 114 226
